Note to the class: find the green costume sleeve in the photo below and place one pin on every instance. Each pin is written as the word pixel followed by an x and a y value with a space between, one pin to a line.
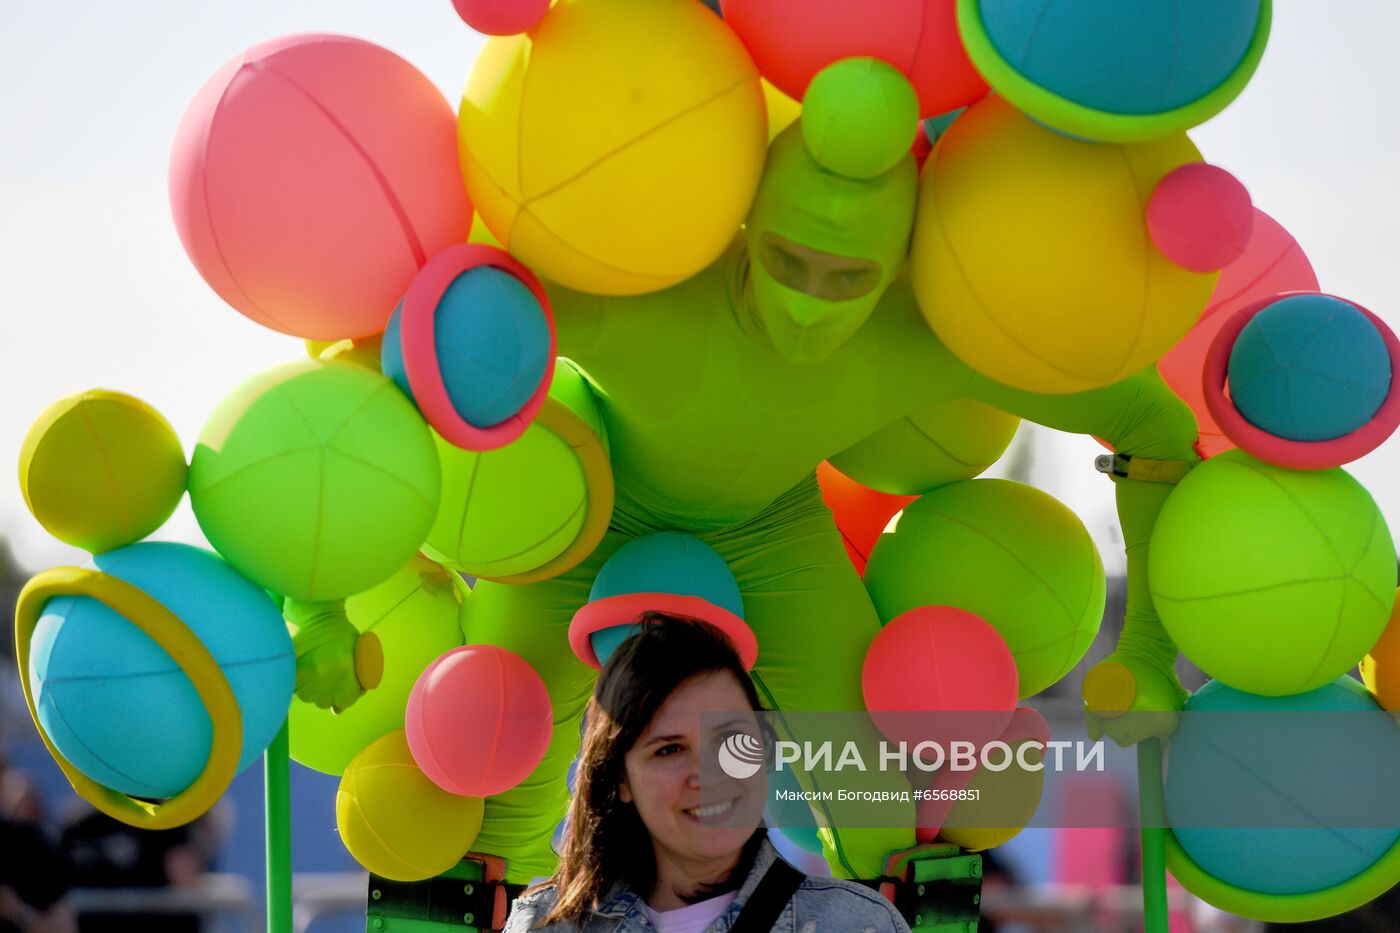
pixel 1142 418
pixel 325 642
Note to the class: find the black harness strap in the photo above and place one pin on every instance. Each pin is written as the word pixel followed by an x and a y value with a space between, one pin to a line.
pixel 766 904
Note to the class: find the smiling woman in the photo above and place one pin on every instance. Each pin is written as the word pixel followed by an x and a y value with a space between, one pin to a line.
pixel 656 829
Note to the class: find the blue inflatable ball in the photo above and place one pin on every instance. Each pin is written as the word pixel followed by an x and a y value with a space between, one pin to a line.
pixel 492 345
pixel 1281 797
pixel 606 641
pixel 669 563
pixel 1105 69
pixel 120 709
pixel 1309 368
pixel 935 127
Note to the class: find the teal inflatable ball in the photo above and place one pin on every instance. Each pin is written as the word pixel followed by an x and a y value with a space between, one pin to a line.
pixel 1114 71
pixel 493 345
pixel 1255 797
pixel 666 572
pixel 669 562
pixel 120 709
pixel 1309 368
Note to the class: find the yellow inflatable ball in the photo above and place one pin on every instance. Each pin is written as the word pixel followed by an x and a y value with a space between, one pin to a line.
pixel 947 443
pixel 396 822
pixel 416 614
pixel 617 146
pixel 783 111
pixel 1381 668
pixel 363 351
pixel 1008 792
pixel 1031 256
pixel 101 470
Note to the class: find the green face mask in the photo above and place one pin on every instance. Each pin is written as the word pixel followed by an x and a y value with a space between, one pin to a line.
pixel 823 247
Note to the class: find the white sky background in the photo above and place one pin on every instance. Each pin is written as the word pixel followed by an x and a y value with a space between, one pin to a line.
pixel 98 293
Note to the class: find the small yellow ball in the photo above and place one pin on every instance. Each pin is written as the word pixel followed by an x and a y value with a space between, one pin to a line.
pixel 1380 669
pixel 101 470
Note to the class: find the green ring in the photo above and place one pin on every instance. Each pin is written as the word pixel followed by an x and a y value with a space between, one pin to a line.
pixel 1090 122
pixel 1284 908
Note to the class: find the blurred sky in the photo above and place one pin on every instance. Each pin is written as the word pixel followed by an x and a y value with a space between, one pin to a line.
pixel 98 292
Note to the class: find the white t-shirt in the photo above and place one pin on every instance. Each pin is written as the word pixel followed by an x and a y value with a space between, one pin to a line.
pixel 693 918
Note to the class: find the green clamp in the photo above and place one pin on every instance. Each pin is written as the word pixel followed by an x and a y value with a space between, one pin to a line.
pixel 936 887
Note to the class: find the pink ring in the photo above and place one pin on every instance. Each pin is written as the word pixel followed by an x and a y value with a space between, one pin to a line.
pixel 1297 455
pixel 420 357
pixel 624 609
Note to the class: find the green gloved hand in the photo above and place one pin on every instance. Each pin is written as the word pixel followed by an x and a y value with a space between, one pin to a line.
pixel 1134 693
pixel 336 664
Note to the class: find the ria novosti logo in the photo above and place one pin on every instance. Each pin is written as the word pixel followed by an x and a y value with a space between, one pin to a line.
pixel 741 756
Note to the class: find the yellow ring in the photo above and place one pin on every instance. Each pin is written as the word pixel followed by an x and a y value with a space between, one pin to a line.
pixel 597 469
pixel 184 647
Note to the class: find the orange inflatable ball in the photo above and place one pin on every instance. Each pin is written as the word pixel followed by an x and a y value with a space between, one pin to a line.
pixel 1032 259
pixel 101 470
pixel 861 513
pixel 615 148
pixel 311 178
pixel 396 822
pixel 1381 668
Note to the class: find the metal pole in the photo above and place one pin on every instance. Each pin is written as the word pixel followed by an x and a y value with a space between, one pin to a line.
pixel 277 810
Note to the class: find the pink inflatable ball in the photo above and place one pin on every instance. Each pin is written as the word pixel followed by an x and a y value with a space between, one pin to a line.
pixel 932 661
pixel 501 17
pixel 1272 262
pixel 1200 217
pixel 311 178
pixel 478 720
pixel 792 40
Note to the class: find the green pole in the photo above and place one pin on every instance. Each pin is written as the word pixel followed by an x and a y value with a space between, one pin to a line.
pixel 278 812
pixel 1154 836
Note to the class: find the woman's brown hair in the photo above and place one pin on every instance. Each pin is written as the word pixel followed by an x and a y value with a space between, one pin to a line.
pixel 605 839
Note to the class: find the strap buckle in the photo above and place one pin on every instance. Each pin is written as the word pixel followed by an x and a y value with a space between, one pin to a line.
pixel 472 895
pixel 1126 466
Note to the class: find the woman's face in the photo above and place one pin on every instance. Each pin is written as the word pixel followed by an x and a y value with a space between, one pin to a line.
pixel 693 810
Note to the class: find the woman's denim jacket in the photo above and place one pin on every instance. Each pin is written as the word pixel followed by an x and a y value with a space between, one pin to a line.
pixel 821 905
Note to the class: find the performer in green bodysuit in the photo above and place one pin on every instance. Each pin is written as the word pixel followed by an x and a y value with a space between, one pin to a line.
pixel 720 396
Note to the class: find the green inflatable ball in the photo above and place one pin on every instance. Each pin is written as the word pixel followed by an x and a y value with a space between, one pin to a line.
pixel 1006 552
pixel 947 443
pixel 515 509
pixel 316 480
pixel 416 614
pixel 1272 581
pixel 859 117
